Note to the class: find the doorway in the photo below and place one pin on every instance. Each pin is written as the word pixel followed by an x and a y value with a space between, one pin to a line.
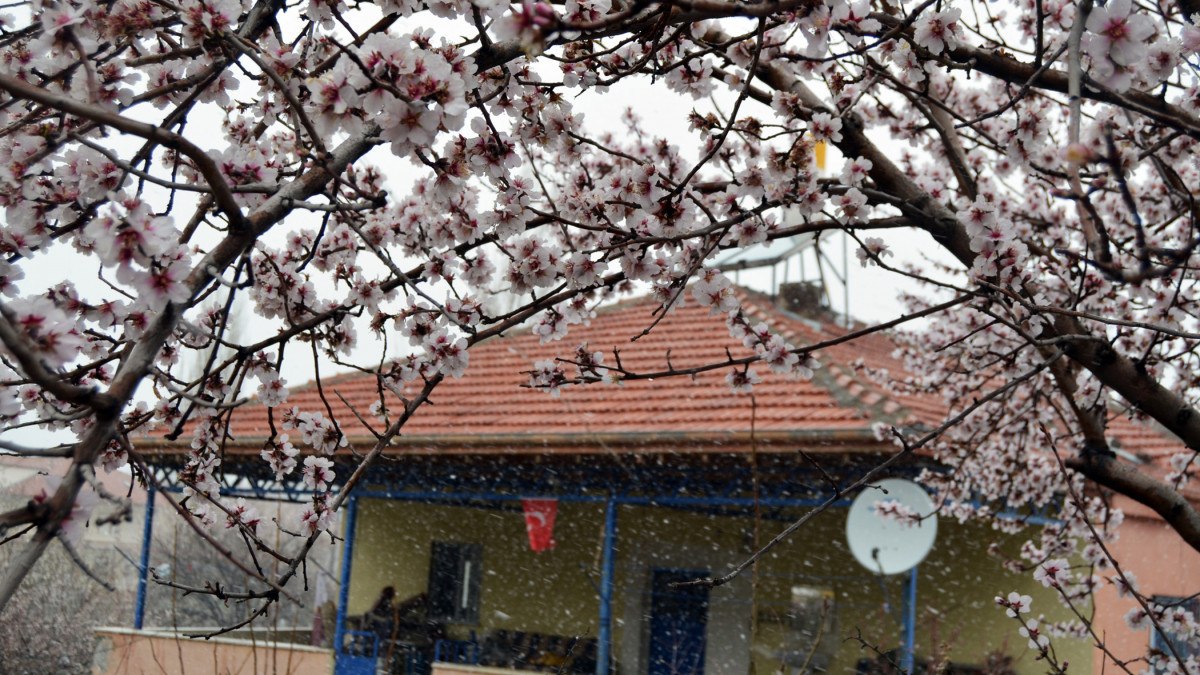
pixel 678 621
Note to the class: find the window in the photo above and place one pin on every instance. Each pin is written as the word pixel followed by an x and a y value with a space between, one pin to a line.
pixel 454 574
pixel 1181 644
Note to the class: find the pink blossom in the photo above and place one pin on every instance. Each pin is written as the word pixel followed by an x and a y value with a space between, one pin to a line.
pixel 850 205
pixel 114 457
pixel 1116 41
pixel 205 18
pixel 590 363
pixel 872 250
pixel 60 17
pixel 855 171
pixel 436 187
pixel 581 270
pixel 272 390
pixel 466 311
pixel 714 290
pixel 48 329
pixel 937 31
pixel 547 375
pixel 318 473
pixel 164 282
pixel 448 353
pixel 316 430
pixel 535 264
pixel 1137 619
pixel 1037 639
pixel 894 510
pixel 586 10
pixel 73 525
pixel 780 356
pixel 335 101
pixel 1015 603
pixel 1117 32
pixel 825 127
pixel 243 514
pixel 528 24
pixel 1126 584
pixel 1053 573
pixel 280 454
pixel 742 381
pixel 317 517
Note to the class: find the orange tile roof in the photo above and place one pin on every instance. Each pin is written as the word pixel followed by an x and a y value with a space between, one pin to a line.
pixel 489 406
pixel 489 409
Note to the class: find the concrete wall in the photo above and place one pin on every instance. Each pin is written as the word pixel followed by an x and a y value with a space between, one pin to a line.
pixel 556 591
pixel 128 652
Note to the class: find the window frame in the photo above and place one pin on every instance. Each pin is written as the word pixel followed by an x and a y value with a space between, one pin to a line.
pixel 455 582
pixel 1159 640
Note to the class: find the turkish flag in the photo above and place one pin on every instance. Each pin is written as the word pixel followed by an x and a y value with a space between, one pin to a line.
pixel 539 522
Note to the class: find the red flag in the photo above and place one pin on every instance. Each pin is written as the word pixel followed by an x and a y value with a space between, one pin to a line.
pixel 539 522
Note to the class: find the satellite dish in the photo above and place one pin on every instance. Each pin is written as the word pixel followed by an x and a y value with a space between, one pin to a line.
pixel 887 545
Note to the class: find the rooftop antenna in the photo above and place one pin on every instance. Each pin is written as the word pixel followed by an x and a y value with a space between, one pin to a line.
pixel 820 151
pixel 814 265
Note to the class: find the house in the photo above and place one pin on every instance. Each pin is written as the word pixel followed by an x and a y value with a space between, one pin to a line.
pixel 59 600
pixel 649 484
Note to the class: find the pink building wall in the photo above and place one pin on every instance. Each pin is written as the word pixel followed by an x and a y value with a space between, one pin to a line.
pixel 1163 565
pixel 122 651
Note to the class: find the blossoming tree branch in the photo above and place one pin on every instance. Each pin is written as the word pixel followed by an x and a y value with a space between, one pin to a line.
pixel 182 156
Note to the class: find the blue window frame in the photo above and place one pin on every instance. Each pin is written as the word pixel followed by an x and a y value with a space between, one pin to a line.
pixel 1160 640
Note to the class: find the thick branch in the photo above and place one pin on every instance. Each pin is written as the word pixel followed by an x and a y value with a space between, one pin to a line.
pixel 1118 372
pixel 1011 70
pixel 1112 473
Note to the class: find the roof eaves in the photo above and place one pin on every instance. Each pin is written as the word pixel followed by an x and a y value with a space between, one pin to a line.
pixel 839 440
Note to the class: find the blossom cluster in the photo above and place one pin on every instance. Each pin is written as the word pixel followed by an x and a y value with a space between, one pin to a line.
pixel 384 198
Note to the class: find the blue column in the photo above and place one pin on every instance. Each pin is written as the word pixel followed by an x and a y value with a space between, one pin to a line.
pixel 350 521
pixel 139 610
pixel 607 563
pixel 910 622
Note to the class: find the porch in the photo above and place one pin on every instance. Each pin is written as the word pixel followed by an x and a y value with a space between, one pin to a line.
pixel 447 534
pixel 605 598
